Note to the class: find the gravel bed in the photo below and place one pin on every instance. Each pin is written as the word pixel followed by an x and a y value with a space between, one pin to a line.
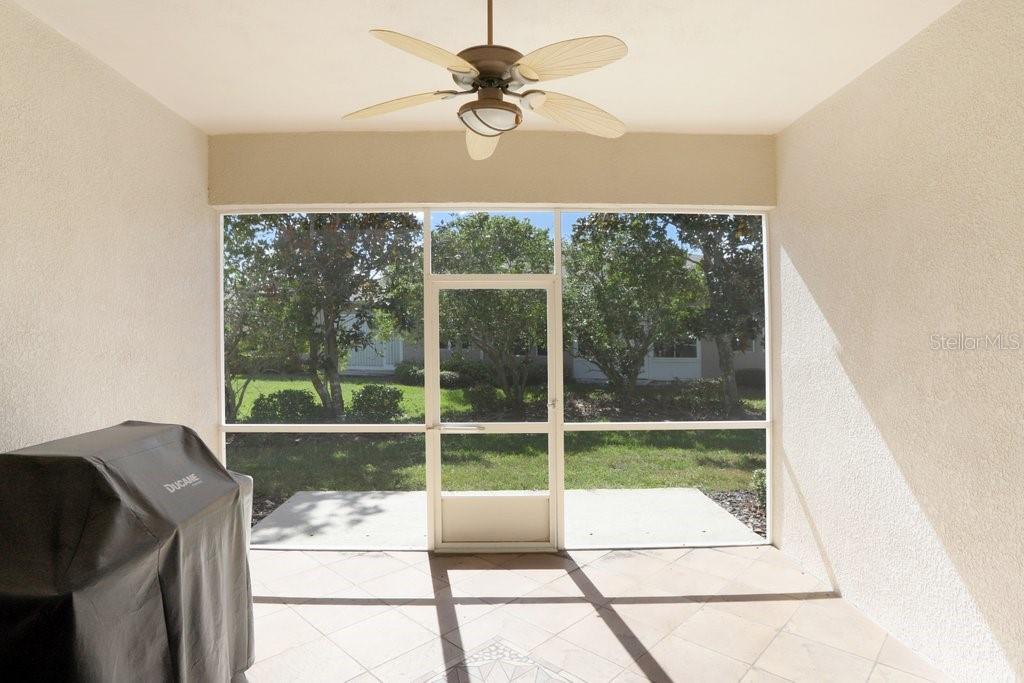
pixel 261 507
pixel 744 506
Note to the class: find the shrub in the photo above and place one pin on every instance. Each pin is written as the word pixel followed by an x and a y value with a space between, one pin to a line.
pixel 376 403
pixel 537 374
pixel 760 483
pixel 484 399
pixel 750 378
pixel 699 399
pixel 471 372
pixel 409 373
pixel 288 406
pixel 450 379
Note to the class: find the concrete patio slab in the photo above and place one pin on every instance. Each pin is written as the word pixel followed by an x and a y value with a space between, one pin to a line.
pixel 599 518
pixel 637 518
pixel 395 520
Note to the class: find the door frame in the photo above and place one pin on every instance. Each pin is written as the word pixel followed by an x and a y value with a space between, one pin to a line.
pixel 433 286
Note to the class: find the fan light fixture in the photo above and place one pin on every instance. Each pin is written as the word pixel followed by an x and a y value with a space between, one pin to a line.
pixel 490 117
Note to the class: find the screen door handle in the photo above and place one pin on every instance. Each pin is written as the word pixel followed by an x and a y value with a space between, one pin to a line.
pixel 462 427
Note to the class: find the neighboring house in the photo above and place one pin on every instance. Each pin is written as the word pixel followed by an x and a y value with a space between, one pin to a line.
pixel 380 358
pixel 663 364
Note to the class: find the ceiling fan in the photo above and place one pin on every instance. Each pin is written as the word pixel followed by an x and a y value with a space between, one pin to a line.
pixel 495 74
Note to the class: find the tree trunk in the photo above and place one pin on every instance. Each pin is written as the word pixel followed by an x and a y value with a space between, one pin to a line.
pixel 622 389
pixel 230 404
pixel 514 388
pixel 622 378
pixel 233 398
pixel 503 380
pixel 337 408
pixel 519 387
pixel 240 395
pixel 730 394
pixel 314 371
pixel 629 390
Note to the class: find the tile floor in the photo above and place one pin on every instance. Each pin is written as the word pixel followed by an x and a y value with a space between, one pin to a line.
pixel 705 614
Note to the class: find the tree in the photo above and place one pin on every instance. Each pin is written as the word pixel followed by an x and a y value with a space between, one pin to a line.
pixel 327 278
pixel 628 287
pixel 503 323
pixel 731 261
pixel 255 339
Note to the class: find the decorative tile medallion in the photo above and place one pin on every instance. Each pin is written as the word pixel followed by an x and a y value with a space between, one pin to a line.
pixel 499 662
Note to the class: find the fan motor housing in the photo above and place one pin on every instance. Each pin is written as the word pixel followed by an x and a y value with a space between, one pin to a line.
pixel 492 61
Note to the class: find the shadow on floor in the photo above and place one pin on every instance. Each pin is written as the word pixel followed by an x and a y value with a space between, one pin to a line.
pixel 462 665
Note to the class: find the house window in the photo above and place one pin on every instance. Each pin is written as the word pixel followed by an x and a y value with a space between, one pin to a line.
pixel 686 348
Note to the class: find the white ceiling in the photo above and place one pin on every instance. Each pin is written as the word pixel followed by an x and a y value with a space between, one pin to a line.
pixel 694 66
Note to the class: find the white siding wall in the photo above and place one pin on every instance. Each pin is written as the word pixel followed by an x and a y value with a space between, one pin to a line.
pixel 654 370
pixel 378 357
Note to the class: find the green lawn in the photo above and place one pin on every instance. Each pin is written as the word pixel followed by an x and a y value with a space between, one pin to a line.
pixel 754 400
pixel 454 405
pixel 710 460
pixel 282 464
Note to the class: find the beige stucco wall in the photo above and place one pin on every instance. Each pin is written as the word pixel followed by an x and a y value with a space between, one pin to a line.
pixel 532 168
pixel 900 468
pixel 108 279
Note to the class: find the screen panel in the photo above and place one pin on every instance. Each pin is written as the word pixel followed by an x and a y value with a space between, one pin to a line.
pixel 665 488
pixel 494 365
pixel 492 242
pixel 494 462
pixel 323 318
pixel 663 317
pixel 334 490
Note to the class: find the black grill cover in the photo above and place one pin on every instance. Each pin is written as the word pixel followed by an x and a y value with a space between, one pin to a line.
pixel 123 558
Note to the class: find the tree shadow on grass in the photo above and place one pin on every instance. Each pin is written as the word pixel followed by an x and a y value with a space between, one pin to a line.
pixel 282 464
pixel 740 441
pixel 747 463
pixel 707 459
pixel 698 399
pixel 494 462
pixel 470 447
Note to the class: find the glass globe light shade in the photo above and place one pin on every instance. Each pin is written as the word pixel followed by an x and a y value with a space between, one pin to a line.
pixel 490 117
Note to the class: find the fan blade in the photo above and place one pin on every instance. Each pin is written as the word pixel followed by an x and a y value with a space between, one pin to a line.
pixel 395 105
pixel 424 50
pixel 574 113
pixel 480 146
pixel 570 57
